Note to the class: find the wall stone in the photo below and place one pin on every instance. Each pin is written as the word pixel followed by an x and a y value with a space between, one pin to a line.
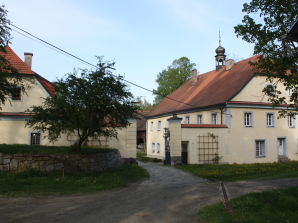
pixel 68 162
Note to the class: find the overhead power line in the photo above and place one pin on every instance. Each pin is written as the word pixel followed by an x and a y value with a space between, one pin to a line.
pixel 64 52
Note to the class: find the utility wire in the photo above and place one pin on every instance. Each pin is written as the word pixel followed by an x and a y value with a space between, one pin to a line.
pixel 64 52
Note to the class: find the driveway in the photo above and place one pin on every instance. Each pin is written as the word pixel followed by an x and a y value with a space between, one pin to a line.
pixel 169 196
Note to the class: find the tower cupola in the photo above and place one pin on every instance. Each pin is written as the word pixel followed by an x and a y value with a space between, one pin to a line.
pixel 220 56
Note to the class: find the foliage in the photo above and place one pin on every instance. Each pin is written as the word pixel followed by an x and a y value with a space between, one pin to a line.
pixel 7 85
pixel 144 105
pixel 265 24
pixel 93 104
pixel 38 183
pixel 141 156
pixel 38 149
pixel 173 77
pixel 232 172
pixel 271 206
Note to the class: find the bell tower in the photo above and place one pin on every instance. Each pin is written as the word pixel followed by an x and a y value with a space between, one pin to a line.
pixel 220 56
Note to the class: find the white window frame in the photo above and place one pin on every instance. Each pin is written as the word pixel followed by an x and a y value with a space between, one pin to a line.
pixel 151 125
pixel 158 148
pixel 200 119
pixel 260 154
pixel 248 119
pixel 291 121
pixel 290 91
pixel 274 87
pixel 158 125
pixel 153 147
pixel 268 124
pixel 187 119
pixel 214 120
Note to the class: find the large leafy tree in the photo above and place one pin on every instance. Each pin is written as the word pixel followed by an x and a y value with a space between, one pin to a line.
pixel 9 80
pixel 173 77
pixel 91 104
pixel 266 24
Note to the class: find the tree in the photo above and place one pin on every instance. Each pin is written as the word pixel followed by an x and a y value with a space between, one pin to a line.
pixel 8 85
pixel 173 77
pixel 91 104
pixel 265 24
pixel 144 105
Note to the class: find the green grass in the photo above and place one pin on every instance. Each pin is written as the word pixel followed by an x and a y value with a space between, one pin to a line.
pixel 37 183
pixel 277 206
pixel 232 172
pixel 20 148
pixel 141 156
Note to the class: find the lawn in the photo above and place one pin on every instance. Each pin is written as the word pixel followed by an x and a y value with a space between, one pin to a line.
pixel 232 172
pixel 141 156
pixel 30 149
pixel 277 206
pixel 37 183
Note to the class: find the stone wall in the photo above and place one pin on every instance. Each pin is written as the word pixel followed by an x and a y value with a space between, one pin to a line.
pixel 68 162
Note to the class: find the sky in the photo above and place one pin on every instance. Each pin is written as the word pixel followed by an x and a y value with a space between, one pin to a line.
pixel 141 37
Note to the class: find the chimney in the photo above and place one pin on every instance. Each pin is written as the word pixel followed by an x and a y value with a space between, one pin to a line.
pixel 229 64
pixel 28 59
pixel 194 77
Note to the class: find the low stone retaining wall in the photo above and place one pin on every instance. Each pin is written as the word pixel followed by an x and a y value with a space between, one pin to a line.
pixel 68 162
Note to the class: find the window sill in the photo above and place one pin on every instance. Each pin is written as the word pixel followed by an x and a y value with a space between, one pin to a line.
pixel 270 126
pixel 248 126
pixel 258 157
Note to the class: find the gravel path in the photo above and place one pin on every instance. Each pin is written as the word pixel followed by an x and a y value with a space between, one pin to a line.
pixel 169 196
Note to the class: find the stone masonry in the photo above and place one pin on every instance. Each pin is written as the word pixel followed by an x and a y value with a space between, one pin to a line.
pixel 68 162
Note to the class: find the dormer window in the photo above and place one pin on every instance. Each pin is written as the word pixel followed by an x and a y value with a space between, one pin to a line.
pixel 16 95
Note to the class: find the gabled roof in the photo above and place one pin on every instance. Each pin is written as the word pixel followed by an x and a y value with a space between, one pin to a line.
pixel 213 88
pixel 22 68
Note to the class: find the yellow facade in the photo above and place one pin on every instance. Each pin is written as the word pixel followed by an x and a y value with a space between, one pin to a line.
pixel 237 143
pixel 13 130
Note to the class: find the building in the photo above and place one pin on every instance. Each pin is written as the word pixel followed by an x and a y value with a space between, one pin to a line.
pixel 224 116
pixel 13 116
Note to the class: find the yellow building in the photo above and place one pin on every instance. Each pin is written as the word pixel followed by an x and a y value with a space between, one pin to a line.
pixel 13 116
pixel 223 115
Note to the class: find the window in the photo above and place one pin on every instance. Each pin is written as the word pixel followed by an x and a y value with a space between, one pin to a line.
pixel 260 148
pixel 153 147
pixel 270 119
pixel 270 89
pixel 199 119
pixel 151 126
pixel 214 118
pixel 35 138
pixel 291 121
pixel 290 91
pixel 158 125
pixel 16 95
pixel 157 148
pixel 247 119
pixel 186 121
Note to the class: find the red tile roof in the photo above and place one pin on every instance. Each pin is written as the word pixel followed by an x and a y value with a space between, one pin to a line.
pixel 202 126
pixel 212 88
pixel 22 68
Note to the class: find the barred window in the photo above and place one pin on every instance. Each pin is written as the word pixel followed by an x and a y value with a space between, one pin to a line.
pixel 35 138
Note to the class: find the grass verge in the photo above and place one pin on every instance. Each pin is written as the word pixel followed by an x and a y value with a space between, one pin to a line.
pixel 275 206
pixel 36 183
pixel 232 172
pixel 38 149
pixel 141 156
